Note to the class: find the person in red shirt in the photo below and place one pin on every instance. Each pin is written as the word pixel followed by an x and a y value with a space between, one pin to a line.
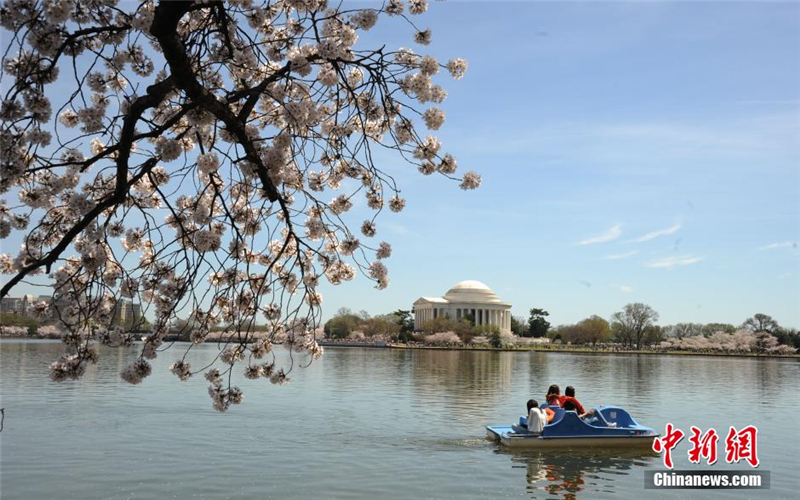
pixel 554 395
pixel 569 395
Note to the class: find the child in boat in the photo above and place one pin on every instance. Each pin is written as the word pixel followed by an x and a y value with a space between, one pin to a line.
pixel 537 418
pixel 554 395
pixel 569 395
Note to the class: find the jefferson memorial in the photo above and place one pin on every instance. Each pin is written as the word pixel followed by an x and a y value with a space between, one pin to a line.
pixel 465 298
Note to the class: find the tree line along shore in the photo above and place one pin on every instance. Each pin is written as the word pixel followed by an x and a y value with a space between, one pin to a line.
pixel 631 330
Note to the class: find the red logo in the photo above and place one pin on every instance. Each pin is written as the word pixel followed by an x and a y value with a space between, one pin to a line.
pixel 667 443
pixel 705 446
pixel 739 445
pixel 742 446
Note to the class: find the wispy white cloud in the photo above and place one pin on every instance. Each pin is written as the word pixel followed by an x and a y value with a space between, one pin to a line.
pixel 625 288
pixel 655 234
pixel 610 234
pixel 621 255
pixel 671 262
pixel 784 244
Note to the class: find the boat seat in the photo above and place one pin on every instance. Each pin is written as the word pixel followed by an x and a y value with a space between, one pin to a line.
pixel 598 420
pixel 617 416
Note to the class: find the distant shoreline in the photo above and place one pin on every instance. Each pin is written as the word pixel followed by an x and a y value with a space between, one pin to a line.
pixel 560 350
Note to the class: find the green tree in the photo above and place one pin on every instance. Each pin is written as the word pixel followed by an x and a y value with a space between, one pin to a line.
pixel 558 332
pixel 341 325
pixel 437 325
pixel 537 324
pixel 384 324
pixel 630 325
pixel 594 329
pixel 12 319
pixel 653 335
pixel 518 326
pixel 470 318
pixel 571 334
pixel 788 336
pixel 495 339
pixel 404 320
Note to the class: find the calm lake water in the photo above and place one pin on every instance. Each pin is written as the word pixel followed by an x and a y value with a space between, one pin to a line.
pixel 372 423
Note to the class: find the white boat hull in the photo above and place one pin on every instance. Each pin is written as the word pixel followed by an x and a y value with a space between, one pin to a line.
pixel 510 439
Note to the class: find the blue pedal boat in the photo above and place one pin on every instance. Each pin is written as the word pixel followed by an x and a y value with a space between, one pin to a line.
pixel 609 427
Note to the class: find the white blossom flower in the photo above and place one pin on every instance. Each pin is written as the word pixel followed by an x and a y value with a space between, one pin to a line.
pixel 368 228
pixel 423 37
pixel 397 204
pixel 340 204
pixel 471 180
pixel 208 162
pixel 136 371
pixel 260 348
pixel 213 376
pixel 417 6
pixel 252 372
pixel 278 377
pixel 434 118
pixel 69 118
pixel 448 166
pixel 395 7
pixel 429 66
pixel 379 273
pixel 364 19
pixel 384 251
pixel 168 149
pixel 427 150
pixel 457 67
pixel 181 369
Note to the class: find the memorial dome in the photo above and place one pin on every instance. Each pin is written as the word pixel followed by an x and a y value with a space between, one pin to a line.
pixel 471 291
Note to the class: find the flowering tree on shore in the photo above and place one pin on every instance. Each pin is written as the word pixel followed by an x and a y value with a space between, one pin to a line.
pixel 201 157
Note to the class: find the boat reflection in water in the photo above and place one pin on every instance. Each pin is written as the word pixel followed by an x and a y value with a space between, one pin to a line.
pixel 566 473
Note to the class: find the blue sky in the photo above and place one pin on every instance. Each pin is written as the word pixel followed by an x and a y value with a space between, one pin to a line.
pixel 616 119
pixel 630 152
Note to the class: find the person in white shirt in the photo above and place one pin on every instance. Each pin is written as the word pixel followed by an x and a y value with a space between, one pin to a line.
pixel 537 418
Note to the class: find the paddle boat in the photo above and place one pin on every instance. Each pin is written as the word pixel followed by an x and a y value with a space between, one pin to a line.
pixel 608 427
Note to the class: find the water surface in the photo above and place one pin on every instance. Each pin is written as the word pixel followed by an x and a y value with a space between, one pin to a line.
pixel 371 423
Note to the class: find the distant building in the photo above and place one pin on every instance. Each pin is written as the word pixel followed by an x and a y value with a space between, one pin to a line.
pixel 16 305
pixel 127 313
pixel 467 298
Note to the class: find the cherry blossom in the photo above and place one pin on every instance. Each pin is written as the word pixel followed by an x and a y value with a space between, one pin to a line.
pixel 204 159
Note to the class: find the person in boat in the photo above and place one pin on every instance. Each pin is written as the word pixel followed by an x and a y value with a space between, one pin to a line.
pixel 537 417
pixel 554 395
pixel 570 405
pixel 569 395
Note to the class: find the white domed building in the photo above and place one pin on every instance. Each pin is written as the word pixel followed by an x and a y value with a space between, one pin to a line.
pixel 465 298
